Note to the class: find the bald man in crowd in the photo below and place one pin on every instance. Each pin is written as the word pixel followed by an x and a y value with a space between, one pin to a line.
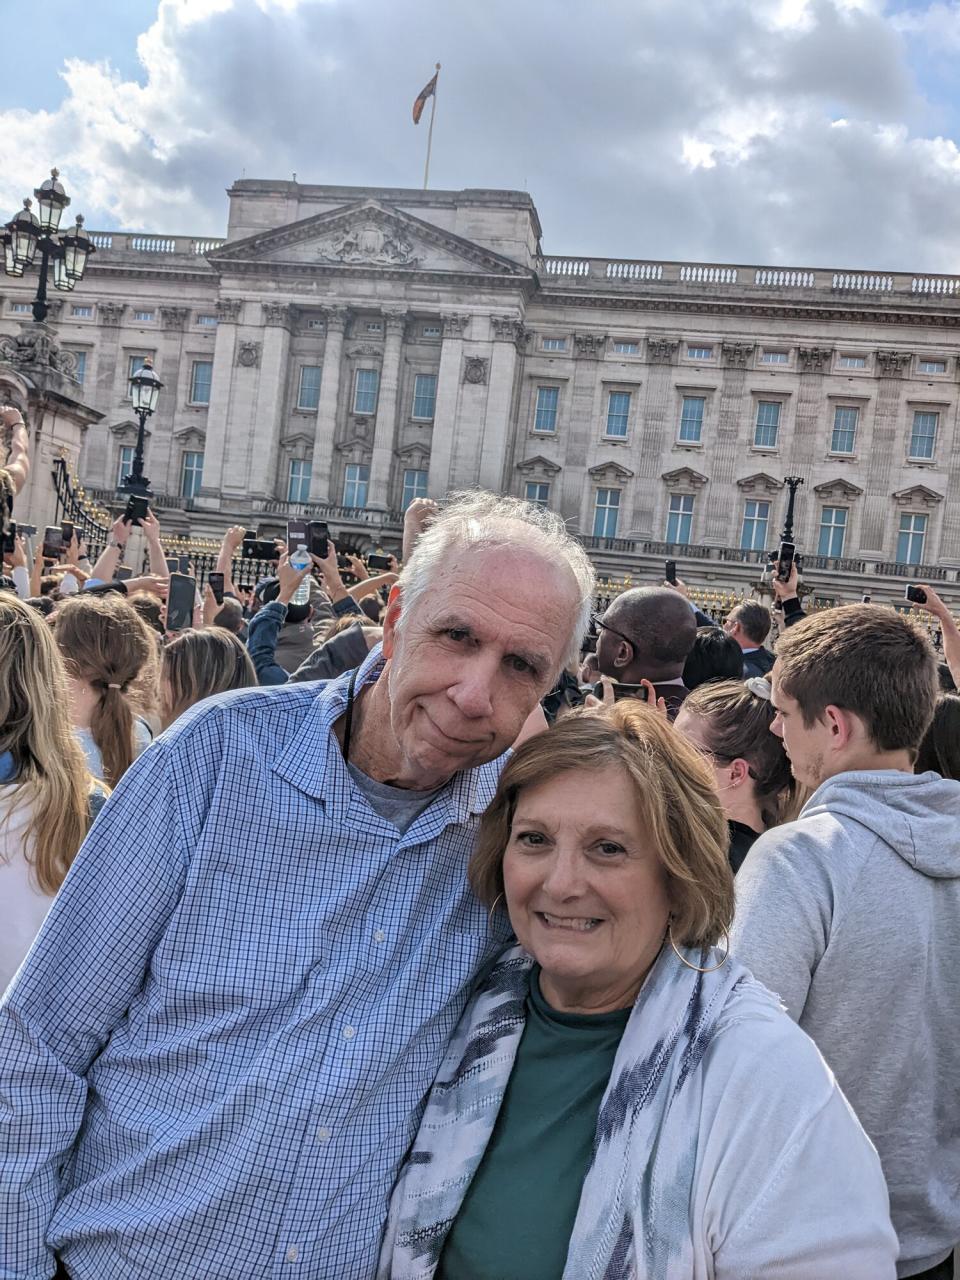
pixel 646 634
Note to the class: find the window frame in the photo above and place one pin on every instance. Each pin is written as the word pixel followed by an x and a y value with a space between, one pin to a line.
pixel 121 473
pixel 81 311
pixel 304 468
pixel 416 493
pixel 432 398
pixel 206 320
pixel 632 348
pixel 355 481
pixel 144 317
pixel 606 508
pixel 538 409
pixel 766 356
pixel 842 356
pixel 708 352
pixel 691 443
pixel 928 360
pixel 554 344
pixel 624 416
pixel 192 399
pixel 681 518
pixel 755 520
pixel 190 453
pixel 843 407
pixel 912 533
pixel 539 501
pixel 356 410
pixel 758 426
pixel 913 436
pixel 309 408
pixel 831 529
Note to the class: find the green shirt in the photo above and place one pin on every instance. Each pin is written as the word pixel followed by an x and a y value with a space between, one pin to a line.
pixel 517 1218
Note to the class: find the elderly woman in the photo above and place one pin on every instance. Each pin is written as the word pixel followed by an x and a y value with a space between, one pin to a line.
pixel 620 1099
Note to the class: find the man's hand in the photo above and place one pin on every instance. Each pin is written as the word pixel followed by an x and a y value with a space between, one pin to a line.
pixel 785 590
pixel 72 552
pixel 120 532
pixel 358 568
pixel 679 586
pixel 233 537
pixel 151 527
pixel 155 585
pixel 210 606
pixel 653 702
pixel 18 559
pixel 290 578
pixel 417 517
pixel 9 416
pixel 934 604
pixel 77 572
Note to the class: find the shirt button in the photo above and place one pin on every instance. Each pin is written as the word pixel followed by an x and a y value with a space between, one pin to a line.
pixel 292 1254
pixel 323 1134
pixel 379 936
pixel 349 1033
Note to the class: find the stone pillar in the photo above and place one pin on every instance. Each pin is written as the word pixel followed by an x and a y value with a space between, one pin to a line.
pixel 218 411
pixel 582 428
pixel 326 428
pixel 725 454
pixel 655 430
pixel 886 450
pixel 386 424
pixel 445 412
pixel 495 460
pixel 804 450
pixel 252 469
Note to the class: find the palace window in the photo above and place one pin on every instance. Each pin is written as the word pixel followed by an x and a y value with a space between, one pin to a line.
pixel 626 348
pixel 680 517
pixel 767 426
pixel 756 516
pixel 845 419
pixel 124 463
pixel 606 512
pixel 924 434
pixel 356 478
pixel 932 366
pixel 833 531
pixel 554 344
pixel 699 353
pixel 618 414
pixel 545 418
pixel 425 396
pixel 691 419
pixel 191 475
pixel 298 481
pixel 910 538
pixel 308 392
pixel 852 362
pixel 537 492
pixel 201 375
pixel 366 387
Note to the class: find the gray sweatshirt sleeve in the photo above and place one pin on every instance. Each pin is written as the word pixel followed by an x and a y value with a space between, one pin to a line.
pixel 784 912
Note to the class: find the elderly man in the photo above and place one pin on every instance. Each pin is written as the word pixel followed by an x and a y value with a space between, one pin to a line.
pixel 216 1055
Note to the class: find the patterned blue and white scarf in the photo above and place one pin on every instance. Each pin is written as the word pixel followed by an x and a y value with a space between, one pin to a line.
pixel 634 1220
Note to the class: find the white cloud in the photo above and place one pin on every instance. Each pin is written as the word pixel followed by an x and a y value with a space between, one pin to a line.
pixel 750 130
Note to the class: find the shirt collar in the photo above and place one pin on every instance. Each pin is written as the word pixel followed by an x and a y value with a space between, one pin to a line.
pixel 8 768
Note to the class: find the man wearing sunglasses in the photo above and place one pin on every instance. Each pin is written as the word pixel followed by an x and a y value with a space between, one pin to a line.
pixel 646 634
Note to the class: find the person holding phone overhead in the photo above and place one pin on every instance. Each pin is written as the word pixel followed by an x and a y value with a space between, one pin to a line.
pixel 270 933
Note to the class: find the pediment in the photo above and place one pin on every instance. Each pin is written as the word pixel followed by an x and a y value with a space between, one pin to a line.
pixel 684 477
pixel 356 449
pixel 838 488
pixel 416 454
pixel 760 482
pixel 190 435
pixel 298 437
pixel 366 236
pixel 609 471
pixel 128 431
pixel 918 495
pixel 538 464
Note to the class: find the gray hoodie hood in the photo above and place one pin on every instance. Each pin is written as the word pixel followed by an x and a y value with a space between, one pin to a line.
pixel 917 815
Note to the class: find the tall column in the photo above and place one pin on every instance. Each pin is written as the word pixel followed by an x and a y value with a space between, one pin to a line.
pixel 386 424
pixel 886 450
pixel 805 446
pixel 218 411
pixel 581 424
pixel 651 452
pixel 325 432
pixel 445 410
pixel 496 462
pixel 250 463
pixel 726 453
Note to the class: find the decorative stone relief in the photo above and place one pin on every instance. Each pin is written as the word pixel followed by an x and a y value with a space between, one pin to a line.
pixel 228 310
pixel 336 318
pixel 760 482
pixel 174 317
pixel 370 244
pixel 509 329
pixel 277 313
pixel 454 325
pixel 684 480
pixel 111 313
pixel 610 471
pixel 395 322
pixel 814 359
pixel 538 466
pixel 918 496
pixel 36 348
pixel 736 354
pixel 891 364
pixel 662 350
pixel 590 345
pixel 248 355
pixel 364 349
pixel 475 370
pixel 833 490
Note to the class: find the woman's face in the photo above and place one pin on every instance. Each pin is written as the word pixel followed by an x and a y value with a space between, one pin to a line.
pixel 732 777
pixel 585 889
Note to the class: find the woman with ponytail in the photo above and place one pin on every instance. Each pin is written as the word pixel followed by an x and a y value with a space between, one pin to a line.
pixel 47 795
pixel 106 646
pixel 729 721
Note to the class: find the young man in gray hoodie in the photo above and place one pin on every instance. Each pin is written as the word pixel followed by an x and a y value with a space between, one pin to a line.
pixel 852 913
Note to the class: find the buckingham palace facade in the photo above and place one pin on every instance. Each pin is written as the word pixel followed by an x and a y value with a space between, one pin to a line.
pixel 346 349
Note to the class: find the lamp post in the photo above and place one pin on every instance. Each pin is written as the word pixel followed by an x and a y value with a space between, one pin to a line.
pixel 793 483
pixel 24 234
pixel 145 393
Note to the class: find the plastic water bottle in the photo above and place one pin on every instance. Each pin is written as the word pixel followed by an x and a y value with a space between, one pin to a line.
pixel 300 560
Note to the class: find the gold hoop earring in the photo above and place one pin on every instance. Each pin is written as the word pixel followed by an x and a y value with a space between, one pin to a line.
pixel 713 968
pixel 492 910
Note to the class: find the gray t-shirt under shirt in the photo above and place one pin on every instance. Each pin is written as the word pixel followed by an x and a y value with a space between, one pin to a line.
pixel 395 804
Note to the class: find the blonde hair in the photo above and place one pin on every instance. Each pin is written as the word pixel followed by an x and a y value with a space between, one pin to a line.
pixel 198 664
pixel 49 766
pixel 106 643
pixel 676 800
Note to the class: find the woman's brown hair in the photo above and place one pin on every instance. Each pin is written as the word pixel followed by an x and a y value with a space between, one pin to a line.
pixel 676 801
pixel 735 723
pixel 48 765
pixel 106 643
pixel 198 664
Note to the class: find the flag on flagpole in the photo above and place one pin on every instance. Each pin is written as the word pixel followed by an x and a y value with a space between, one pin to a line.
pixel 428 90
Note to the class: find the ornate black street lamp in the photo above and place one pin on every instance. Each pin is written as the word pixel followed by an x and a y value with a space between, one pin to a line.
pixel 24 234
pixel 145 393
pixel 793 483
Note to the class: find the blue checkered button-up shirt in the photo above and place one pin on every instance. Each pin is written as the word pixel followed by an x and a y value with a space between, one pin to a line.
pixel 216 1054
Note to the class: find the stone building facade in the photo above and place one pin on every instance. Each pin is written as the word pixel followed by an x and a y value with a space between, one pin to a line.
pixel 346 349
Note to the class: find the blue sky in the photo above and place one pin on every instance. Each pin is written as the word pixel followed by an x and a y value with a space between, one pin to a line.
pixel 800 132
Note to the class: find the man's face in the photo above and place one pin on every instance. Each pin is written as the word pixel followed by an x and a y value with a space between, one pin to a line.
pixel 474 656
pixel 807 747
pixel 613 651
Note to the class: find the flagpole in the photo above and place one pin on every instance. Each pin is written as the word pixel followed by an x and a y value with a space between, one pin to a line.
pixel 433 112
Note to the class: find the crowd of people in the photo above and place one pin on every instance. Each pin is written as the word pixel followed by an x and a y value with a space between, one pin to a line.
pixel 387 925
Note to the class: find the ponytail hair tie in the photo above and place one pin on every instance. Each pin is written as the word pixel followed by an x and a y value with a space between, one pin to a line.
pixel 115 686
pixel 759 687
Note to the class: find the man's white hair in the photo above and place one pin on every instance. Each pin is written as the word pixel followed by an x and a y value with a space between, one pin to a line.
pixel 486 521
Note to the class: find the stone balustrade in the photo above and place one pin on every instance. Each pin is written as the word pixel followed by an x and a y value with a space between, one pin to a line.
pixel 108 242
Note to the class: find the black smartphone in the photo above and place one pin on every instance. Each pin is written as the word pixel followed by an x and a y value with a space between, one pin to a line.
pixel 124 573
pixel 181 599
pixel 319 536
pixel 183 564
pixel 670 572
pixel 865 598
pixel 216 586
pixel 265 549
pixel 343 562
pixel 785 560
pixel 136 509
pixel 378 562
pixel 67 529
pixel 173 565
pixel 916 595
pixel 621 691
pixel 10 539
pixel 52 542
pixel 296 535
